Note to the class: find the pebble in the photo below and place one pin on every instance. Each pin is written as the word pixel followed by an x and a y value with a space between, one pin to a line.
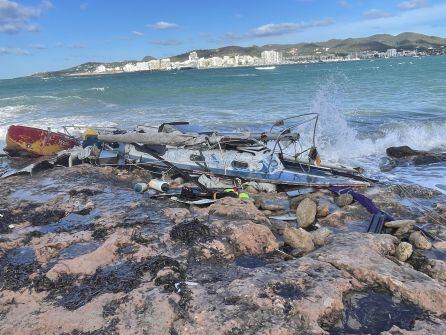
pixel 419 241
pixel 306 212
pixel 323 210
pixel 320 235
pixel 298 238
pixel 400 223
pixel 402 226
pixel 344 200
pixel 403 251
pixel 440 245
pixel 271 205
pixel 440 207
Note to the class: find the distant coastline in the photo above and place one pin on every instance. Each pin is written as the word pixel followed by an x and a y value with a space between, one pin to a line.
pixel 352 49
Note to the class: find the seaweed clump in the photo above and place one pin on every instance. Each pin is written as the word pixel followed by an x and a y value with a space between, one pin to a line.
pixel 189 232
pixel 68 292
pixel 16 267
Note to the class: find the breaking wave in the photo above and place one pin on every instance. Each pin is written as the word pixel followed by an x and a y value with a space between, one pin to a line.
pixel 339 141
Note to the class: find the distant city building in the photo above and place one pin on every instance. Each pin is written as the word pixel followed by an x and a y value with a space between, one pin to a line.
pixel 391 53
pixel 272 57
pixel 193 56
pixel 100 69
pixel 165 64
pixel 268 57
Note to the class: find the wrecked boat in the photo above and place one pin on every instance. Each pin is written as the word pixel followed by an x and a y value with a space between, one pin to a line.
pixel 256 157
pixel 29 141
pixel 279 156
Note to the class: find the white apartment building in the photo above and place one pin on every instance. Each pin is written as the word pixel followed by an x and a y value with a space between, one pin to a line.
pixel 391 53
pixel 272 57
pixel 165 64
pixel 193 56
pixel 100 69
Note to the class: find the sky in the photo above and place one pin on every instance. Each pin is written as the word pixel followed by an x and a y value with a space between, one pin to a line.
pixel 46 35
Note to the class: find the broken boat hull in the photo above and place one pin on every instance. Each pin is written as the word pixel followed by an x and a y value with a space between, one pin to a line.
pixel 256 170
pixel 29 141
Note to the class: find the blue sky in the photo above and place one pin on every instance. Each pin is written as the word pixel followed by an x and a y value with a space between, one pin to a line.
pixel 42 35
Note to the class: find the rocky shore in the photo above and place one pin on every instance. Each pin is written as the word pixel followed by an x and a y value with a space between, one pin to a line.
pixel 82 253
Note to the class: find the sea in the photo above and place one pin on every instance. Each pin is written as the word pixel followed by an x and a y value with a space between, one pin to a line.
pixel 364 107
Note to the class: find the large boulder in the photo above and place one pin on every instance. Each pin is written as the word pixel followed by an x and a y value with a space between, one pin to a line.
pixel 306 212
pixel 401 152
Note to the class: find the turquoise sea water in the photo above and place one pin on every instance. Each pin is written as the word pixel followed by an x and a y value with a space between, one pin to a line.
pixel 364 106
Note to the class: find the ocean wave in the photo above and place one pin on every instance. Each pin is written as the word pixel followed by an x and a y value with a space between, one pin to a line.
pixel 241 75
pixel 338 141
pixel 52 97
pixel 19 97
pixel 8 112
pixel 99 89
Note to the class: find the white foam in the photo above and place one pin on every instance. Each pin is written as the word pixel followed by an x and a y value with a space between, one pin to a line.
pixel 100 89
pixel 339 142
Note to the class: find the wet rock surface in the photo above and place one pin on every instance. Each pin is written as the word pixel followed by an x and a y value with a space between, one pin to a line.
pixel 82 253
pixel 371 312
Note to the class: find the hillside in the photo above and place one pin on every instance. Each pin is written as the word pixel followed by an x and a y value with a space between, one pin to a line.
pixel 380 42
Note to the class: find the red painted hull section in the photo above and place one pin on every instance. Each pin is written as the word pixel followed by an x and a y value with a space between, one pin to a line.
pixel 36 142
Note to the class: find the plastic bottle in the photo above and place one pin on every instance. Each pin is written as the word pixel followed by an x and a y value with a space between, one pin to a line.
pixel 141 187
pixel 159 185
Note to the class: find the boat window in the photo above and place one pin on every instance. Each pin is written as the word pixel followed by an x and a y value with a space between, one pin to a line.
pixel 240 165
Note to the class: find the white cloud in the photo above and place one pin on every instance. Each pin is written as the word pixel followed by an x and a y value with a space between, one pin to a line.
pixel 75 46
pixel 343 3
pixel 428 20
pixel 14 51
pixel 15 17
pixel 137 33
pixel 163 25
pixel 70 45
pixel 166 42
pixel 412 4
pixel 276 29
pixel 425 20
pixel 38 46
pixel 376 14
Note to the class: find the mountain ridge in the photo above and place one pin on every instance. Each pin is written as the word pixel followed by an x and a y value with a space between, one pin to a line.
pixel 377 42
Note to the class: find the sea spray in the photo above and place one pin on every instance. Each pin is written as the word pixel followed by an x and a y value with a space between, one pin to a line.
pixel 339 141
